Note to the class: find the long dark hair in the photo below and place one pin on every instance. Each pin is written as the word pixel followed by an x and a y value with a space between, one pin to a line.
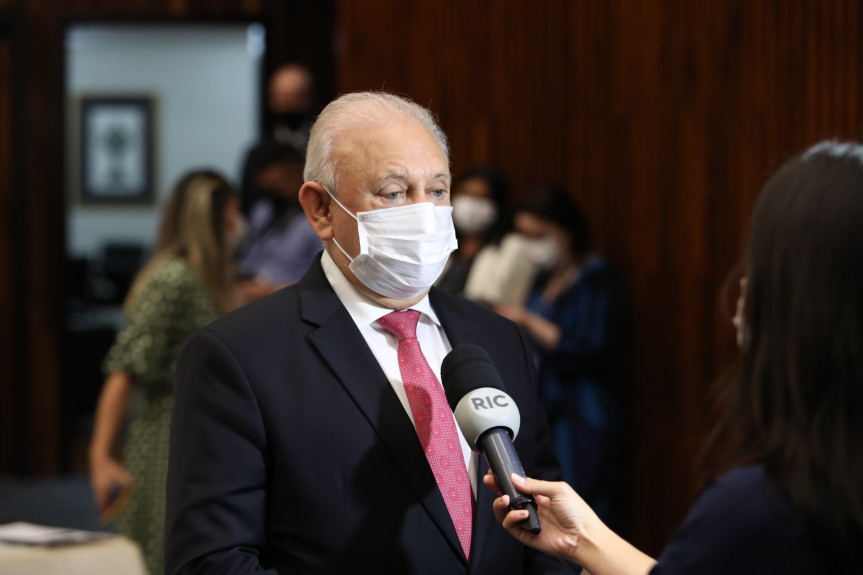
pixel 796 403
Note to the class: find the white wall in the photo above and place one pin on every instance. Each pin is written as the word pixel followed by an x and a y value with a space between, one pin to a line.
pixel 205 84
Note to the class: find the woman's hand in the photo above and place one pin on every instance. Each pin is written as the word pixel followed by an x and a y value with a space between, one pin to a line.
pixel 570 529
pixel 108 478
pixel 563 515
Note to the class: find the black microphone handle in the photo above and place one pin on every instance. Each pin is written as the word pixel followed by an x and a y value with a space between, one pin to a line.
pixel 496 444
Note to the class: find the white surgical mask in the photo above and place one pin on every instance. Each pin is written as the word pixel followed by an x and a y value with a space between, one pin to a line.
pixel 472 214
pixel 544 252
pixel 403 250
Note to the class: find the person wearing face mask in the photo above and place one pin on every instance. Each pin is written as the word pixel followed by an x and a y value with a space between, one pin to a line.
pixel 575 316
pixel 291 104
pixel 186 284
pixel 481 215
pixel 280 245
pixel 310 432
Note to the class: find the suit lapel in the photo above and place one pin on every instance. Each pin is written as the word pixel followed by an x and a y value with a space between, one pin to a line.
pixel 343 348
pixel 458 332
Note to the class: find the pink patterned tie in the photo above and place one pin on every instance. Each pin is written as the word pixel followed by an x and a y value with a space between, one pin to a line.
pixel 434 422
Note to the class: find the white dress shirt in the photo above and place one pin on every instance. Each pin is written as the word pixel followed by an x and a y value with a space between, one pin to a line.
pixel 365 312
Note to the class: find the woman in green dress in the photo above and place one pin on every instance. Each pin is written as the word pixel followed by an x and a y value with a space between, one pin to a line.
pixel 186 284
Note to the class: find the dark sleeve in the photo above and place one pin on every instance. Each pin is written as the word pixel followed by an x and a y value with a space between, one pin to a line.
pixel 592 320
pixel 215 507
pixel 740 525
pixel 701 544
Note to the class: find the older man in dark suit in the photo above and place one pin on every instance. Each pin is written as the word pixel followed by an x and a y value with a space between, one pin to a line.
pixel 310 432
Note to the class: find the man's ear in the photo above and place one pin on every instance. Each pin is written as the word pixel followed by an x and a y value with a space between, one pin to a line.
pixel 316 203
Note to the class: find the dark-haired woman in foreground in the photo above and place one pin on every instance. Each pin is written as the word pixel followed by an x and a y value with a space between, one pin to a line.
pixel 788 497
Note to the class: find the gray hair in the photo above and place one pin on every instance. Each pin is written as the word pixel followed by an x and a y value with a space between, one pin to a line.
pixel 835 149
pixel 360 108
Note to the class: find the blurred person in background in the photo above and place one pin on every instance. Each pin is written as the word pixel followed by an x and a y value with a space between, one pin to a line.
pixel 481 216
pixel 187 283
pixel 787 489
pixel 575 315
pixel 280 245
pixel 290 101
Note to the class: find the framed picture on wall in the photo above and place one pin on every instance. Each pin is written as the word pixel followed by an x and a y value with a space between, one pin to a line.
pixel 117 149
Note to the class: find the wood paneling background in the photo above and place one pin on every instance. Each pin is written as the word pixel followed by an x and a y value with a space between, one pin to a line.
pixel 664 117
pixel 12 321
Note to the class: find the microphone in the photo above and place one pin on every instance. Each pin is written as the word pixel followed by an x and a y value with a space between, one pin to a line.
pixel 488 419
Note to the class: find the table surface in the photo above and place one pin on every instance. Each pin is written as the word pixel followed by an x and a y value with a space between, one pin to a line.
pixel 113 556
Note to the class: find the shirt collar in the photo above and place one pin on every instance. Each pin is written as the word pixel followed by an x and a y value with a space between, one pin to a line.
pixel 363 309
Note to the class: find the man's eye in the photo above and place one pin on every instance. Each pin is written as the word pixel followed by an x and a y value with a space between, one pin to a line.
pixel 392 195
pixel 438 193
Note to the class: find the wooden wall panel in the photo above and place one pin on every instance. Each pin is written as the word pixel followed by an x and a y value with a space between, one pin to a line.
pixel 664 118
pixel 18 404
pixel 44 238
pixel 12 324
pixel 7 333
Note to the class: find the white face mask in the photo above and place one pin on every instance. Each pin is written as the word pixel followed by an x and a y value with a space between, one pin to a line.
pixel 544 252
pixel 472 214
pixel 403 250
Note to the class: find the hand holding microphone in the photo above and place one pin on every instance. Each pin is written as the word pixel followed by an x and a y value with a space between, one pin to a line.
pixel 488 419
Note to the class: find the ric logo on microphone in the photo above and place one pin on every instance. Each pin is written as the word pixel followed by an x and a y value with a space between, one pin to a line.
pixel 488 419
pixel 483 409
pixel 490 402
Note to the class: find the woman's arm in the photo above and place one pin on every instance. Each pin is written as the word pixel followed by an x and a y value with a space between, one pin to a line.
pixel 570 529
pixel 545 332
pixel 105 471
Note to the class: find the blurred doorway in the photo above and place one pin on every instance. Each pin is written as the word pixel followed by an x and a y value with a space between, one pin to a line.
pixel 144 104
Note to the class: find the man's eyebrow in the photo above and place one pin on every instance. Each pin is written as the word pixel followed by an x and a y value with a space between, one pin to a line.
pixel 442 176
pixel 402 176
pixel 399 176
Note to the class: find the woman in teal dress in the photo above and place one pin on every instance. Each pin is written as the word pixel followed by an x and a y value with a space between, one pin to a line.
pixel 186 284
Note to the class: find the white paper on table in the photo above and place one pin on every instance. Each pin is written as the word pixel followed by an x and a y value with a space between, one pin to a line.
pixel 24 533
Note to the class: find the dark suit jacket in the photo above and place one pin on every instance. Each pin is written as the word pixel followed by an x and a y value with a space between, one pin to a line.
pixel 290 452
